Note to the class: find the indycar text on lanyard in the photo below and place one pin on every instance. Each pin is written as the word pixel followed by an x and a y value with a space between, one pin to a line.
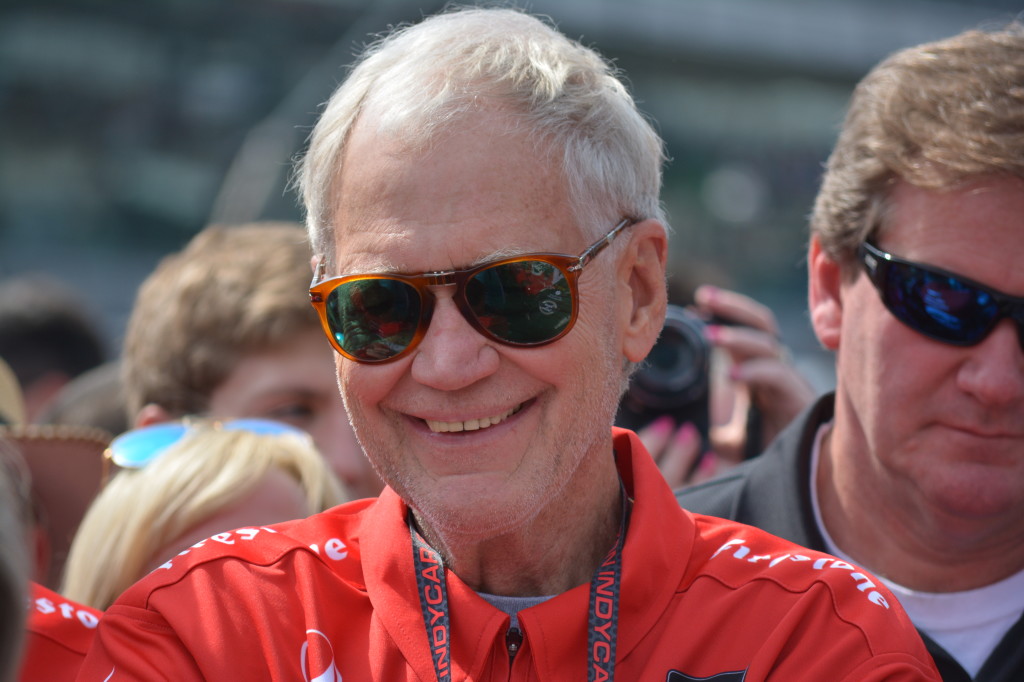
pixel 602 618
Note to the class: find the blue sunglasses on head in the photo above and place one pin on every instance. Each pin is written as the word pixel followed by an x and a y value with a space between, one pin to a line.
pixel 136 448
pixel 940 304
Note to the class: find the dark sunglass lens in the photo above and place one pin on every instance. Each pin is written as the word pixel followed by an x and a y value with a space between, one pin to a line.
pixel 938 305
pixel 523 302
pixel 373 319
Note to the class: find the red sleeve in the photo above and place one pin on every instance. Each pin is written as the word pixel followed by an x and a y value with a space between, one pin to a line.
pixel 206 614
pixel 849 626
pixel 58 633
pixel 127 630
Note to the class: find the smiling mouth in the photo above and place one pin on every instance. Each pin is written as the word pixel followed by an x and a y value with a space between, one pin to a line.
pixel 471 424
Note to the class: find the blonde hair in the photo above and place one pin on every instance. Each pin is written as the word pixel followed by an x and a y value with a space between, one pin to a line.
pixel 934 115
pixel 141 510
pixel 233 290
pixel 423 80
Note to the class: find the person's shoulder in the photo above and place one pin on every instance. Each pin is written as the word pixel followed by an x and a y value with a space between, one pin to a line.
pixel 61 621
pixel 225 597
pixel 326 542
pixel 58 633
pixel 739 555
pixel 735 567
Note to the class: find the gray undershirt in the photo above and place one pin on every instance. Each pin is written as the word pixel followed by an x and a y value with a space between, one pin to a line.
pixel 512 605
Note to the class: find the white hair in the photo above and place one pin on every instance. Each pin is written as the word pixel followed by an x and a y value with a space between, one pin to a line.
pixel 424 79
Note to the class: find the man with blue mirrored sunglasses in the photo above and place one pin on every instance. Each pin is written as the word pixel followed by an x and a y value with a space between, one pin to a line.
pixel 914 467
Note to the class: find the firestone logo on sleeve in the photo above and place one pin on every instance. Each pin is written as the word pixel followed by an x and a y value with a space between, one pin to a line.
pixel 333 548
pixel 863 581
pixel 229 538
pixel 45 606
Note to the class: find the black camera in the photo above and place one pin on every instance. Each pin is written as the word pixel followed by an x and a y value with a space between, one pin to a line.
pixel 674 378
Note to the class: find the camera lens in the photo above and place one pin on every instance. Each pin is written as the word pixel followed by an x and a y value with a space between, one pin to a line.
pixel 673 379
pixel 676 370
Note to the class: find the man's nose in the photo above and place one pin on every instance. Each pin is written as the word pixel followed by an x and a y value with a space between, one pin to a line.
pixel 452 354
pixel 994 370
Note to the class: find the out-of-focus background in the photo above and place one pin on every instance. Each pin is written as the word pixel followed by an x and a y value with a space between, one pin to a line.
pixel 126 126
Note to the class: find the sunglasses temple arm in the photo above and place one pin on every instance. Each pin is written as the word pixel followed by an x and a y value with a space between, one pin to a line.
pixel 872 264
pixel 318 274
pixel 599 246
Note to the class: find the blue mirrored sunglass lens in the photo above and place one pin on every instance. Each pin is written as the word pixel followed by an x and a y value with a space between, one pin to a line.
pixel 137 448
pixel 939 305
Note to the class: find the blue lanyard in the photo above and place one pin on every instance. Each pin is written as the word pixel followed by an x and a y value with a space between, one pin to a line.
pixel 602 618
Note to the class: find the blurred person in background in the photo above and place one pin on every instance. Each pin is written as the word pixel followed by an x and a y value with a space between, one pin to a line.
pixel 43 636
pixel 47 336
pixel 50 340
pixel 483 196
pixel 65 463
pixel 223 329
pixel 58 631
pixel 14 561
pixel 915 282
pixel 94 398
pixel 179 484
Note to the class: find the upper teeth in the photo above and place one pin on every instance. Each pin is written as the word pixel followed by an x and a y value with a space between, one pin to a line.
pixel 469 425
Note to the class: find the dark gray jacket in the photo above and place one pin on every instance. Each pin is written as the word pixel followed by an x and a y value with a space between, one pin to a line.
pixel 773 492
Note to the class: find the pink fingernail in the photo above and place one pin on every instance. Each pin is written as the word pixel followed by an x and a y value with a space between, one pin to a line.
pixel 713 332
pixel 663 425
pixel 686 434
pixel 707 463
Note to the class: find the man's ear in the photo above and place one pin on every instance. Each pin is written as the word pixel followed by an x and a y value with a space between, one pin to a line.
pixel 642 289
pixel 824 281
pixel 152 414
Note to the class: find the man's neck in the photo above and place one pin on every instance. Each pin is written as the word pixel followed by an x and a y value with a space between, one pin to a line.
pixel 880 529
pixel 556 550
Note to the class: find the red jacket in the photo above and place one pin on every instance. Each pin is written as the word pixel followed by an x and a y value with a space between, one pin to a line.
pixel 334 596
pixel 58 633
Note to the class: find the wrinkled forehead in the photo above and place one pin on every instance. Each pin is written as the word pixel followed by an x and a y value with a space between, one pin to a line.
pixel 480 191
pixel 419 249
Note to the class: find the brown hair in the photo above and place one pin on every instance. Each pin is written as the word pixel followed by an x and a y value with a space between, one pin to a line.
pixel 934 115
pixel 230 291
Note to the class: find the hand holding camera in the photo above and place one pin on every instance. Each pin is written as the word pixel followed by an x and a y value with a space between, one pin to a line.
pixel 716 388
